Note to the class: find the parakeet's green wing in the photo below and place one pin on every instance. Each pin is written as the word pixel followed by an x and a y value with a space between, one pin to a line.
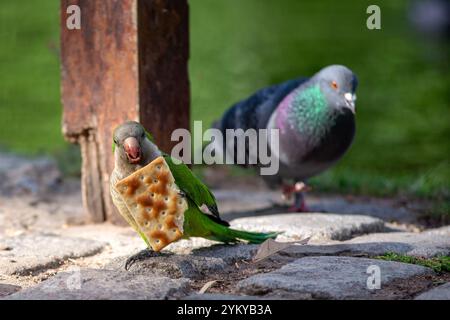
pixel 196 190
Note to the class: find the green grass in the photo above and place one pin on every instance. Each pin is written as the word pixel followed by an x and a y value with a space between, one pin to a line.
pixel 239 46
pixel 401 144
pixel 438 264
pixel 30 109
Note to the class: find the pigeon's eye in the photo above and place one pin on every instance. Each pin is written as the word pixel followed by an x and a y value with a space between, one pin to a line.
pixel 334 85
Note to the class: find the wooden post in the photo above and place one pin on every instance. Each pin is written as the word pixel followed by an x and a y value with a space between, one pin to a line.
pixel 128 61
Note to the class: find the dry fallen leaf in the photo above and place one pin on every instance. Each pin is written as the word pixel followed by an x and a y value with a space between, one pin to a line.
pixel 207 285
pixel 270 247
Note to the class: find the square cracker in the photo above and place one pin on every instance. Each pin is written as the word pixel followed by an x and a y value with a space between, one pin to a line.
pixel 155 203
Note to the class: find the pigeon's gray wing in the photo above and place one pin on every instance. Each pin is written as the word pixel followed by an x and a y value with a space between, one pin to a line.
pixel 255 111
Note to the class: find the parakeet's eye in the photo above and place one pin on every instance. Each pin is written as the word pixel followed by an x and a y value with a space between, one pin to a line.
pixel 334 85
pixel 143 135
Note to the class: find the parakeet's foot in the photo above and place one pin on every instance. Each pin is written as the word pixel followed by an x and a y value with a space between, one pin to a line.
pixel 141 255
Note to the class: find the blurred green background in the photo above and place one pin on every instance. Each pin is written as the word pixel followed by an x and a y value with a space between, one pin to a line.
pixel 239 46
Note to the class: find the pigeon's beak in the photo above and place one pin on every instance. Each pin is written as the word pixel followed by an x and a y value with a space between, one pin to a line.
pixel 132 149
pixel 350 99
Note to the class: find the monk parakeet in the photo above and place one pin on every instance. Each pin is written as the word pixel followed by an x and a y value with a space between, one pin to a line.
pixel 133 149
pixel 316 122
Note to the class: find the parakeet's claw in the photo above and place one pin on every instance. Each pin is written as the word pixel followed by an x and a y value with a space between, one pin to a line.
pixel 181 193
pixel 141 255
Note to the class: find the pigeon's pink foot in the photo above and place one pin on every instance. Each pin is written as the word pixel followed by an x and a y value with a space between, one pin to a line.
pixel 287 191
pixel 299 199
pixel 297 189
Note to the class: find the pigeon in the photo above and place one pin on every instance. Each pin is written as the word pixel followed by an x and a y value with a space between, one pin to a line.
pixel 316 122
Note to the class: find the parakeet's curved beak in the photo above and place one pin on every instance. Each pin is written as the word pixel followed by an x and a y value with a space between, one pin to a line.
pixel 132 149
pixel 350 99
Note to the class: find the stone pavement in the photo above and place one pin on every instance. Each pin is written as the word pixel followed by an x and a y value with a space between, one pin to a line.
pixel 439 293
pixel 329 278
pixel 55 260
pixel 47 252
pixel 106 284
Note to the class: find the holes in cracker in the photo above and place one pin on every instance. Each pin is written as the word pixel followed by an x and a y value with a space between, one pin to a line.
pixel 160 226
pixel 155 180
pixel 142 178
pixel 166 199
pixel 152 195
pixel 158 167
pixel 163 213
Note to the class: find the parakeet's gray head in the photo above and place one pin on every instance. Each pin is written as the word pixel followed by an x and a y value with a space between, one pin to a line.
pixel 338 83
pixel 132 147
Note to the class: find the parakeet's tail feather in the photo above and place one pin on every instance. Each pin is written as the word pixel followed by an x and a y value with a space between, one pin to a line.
pixel 228 235
pixel 199 224
pixel 222 233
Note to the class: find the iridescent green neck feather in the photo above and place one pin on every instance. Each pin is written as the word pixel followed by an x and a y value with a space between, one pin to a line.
pixel 309 113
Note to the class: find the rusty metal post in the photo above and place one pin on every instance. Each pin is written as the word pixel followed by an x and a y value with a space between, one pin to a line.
pixel 128 61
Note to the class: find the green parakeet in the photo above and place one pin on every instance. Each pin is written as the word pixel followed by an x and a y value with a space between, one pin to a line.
pixel 133 149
